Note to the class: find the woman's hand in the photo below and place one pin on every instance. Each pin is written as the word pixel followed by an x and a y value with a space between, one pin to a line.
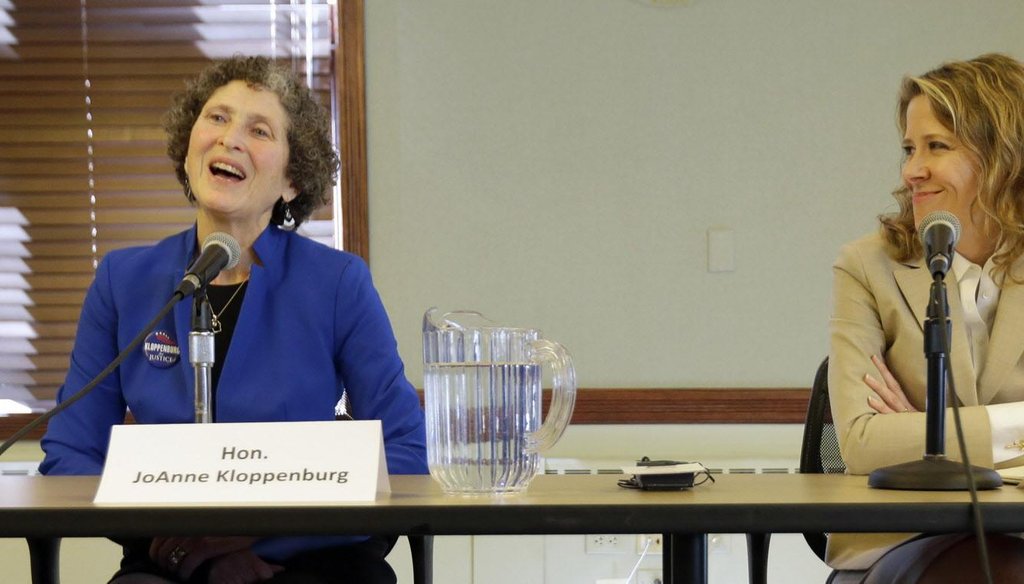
pixel 889 397
pixel 182 555
pixel 241 567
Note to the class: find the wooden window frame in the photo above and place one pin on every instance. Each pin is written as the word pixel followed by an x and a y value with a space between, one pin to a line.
pixel 352 131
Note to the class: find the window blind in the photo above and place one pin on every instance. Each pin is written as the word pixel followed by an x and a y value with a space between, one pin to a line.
pixel 83 86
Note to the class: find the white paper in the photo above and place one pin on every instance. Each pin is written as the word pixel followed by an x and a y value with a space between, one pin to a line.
pixel 686 467
pixel 1012 475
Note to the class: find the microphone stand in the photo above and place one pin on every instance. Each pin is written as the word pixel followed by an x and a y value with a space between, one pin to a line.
pixel 201 355
pixel 934 472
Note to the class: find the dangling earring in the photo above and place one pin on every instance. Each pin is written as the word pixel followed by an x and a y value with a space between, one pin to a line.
pixel 288 223
pixel 188 191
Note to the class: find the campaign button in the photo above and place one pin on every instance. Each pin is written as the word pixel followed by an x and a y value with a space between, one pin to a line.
pixel 161 350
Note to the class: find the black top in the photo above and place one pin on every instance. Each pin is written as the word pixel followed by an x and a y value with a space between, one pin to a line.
pixel 226 305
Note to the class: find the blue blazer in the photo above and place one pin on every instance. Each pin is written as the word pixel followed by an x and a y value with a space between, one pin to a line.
pixel 311 325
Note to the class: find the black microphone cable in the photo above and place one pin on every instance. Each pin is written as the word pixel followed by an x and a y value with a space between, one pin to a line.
pixel 175 298
pixel 979 529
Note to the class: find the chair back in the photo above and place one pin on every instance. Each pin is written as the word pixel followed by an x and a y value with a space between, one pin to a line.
pixel 819 451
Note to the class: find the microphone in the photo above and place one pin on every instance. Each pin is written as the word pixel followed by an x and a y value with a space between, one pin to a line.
pixel 939 233
pixel 220 252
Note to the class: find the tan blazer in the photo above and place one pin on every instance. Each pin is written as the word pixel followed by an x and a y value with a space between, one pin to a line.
pixel 879 309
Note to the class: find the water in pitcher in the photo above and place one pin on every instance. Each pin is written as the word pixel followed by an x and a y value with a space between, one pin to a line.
pixel 480 423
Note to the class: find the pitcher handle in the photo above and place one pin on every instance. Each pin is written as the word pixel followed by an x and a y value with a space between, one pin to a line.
pixel 563 394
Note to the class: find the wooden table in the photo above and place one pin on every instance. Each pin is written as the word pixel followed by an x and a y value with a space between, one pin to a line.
pixel 555 504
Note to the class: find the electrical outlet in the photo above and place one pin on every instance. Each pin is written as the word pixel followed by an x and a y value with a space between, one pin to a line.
pixel 607 543
pixel 648 577
pixel 655 546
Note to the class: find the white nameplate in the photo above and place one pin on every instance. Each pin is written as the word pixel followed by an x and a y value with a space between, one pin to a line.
pixel 263 462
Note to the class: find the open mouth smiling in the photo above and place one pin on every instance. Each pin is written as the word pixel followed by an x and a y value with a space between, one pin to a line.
pixel 227 171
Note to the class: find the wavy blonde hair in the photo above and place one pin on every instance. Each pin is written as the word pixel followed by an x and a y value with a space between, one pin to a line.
pixel 982 102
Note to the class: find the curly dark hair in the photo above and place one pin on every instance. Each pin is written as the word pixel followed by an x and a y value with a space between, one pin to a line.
pixel 312 162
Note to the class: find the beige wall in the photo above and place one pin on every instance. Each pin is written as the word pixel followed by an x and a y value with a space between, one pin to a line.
pixel 557 163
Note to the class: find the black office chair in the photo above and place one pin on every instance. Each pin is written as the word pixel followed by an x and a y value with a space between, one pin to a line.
pixel 44 557
pixel 819 453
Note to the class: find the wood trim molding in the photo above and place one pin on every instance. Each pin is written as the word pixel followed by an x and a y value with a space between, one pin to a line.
pixel 690 406
pixel 637 406
pixel 351 80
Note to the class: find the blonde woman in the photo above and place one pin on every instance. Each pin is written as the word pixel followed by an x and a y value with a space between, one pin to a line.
pixel 962 134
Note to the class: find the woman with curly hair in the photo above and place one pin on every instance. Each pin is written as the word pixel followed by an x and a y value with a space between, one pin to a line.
pixel 962 132
pixel 296 324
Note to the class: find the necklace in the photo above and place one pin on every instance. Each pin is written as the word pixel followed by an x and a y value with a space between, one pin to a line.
pixel 215 321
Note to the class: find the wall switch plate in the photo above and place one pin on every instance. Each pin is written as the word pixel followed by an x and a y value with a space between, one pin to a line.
pixel 721 250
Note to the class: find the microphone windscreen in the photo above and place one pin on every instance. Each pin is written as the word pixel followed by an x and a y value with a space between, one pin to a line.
pixel 230 244
pixel 937 217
